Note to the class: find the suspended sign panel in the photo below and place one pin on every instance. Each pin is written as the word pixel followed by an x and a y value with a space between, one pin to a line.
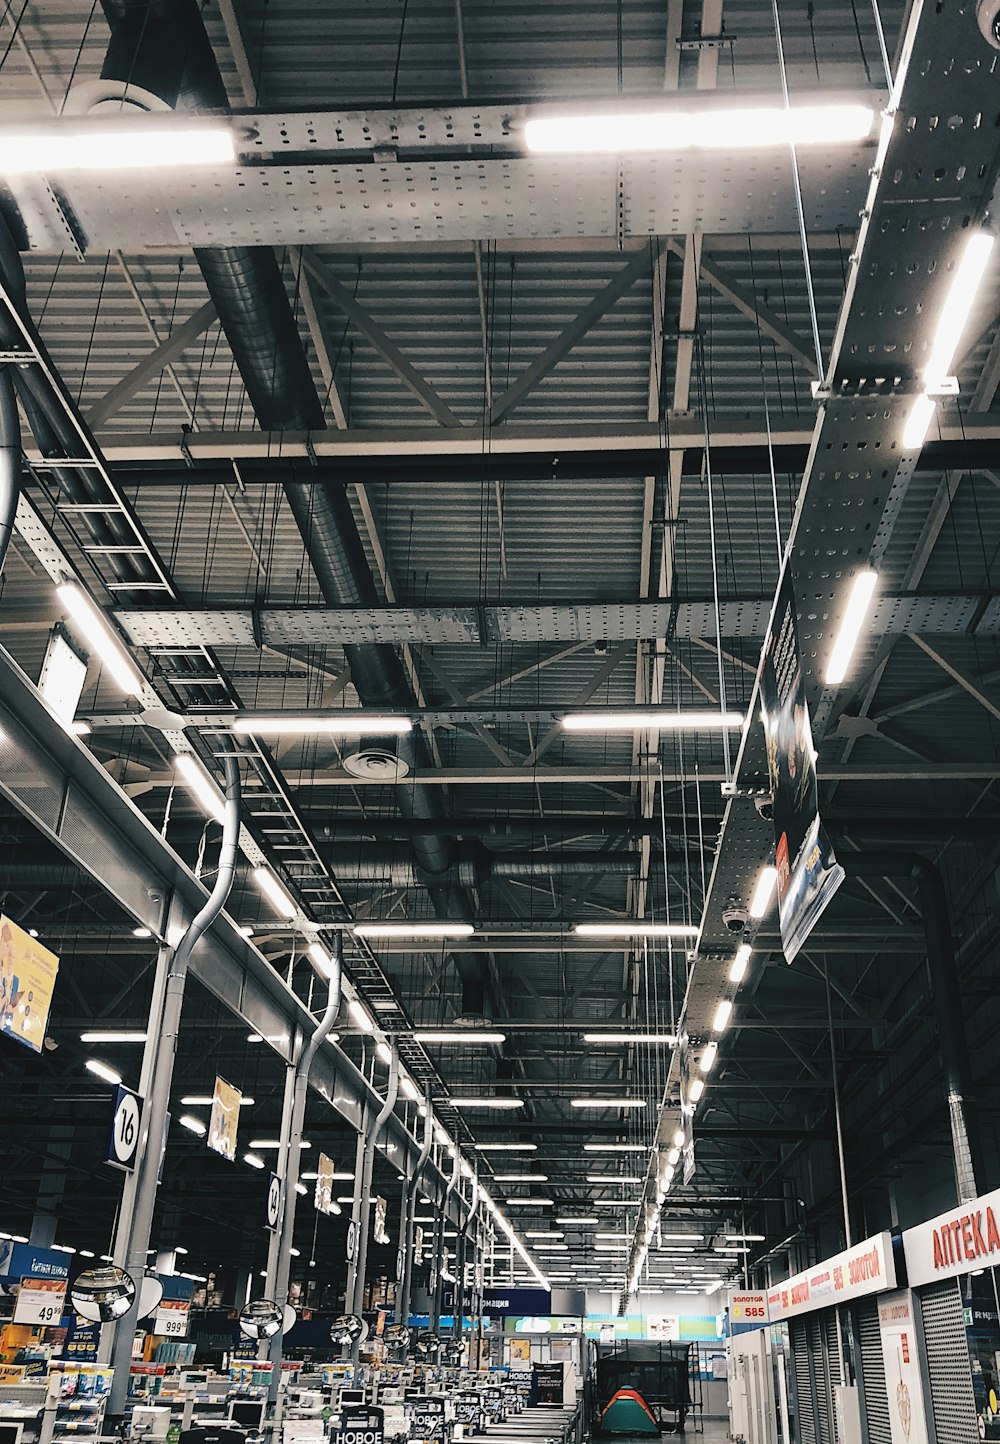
pixel 323 1197
pixel 808 871
pixel 965 1238
pixel 225 1119
pixel 866 1268
pixel 27 979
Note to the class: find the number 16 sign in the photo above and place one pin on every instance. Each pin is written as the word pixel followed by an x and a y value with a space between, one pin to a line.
pixel 126 1122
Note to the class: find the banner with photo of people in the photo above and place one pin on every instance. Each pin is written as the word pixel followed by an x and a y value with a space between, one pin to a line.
pixel 224 1123
pixel 27 980
pixel 808 871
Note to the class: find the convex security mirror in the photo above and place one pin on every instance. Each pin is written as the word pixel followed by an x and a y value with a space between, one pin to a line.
pixel 261 1319
pixel 348 1329
pixel 103 1294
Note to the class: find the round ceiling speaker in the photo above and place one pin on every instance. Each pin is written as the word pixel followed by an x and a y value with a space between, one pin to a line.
pixel 375 764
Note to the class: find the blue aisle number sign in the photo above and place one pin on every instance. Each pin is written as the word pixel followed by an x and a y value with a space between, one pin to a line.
pixel 126 1123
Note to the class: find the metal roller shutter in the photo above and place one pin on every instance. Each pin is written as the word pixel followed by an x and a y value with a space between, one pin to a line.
pixel 802 1374
pixel 876 1398
pixel 826 1362
pixel 952 1399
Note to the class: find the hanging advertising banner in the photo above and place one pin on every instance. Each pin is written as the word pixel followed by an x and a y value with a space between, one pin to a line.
pixel 685 1062
pixel 378 1228
pixel 808 871
pixel 866 1268
pixel 903 1384
pixel 965 1238
pixel 418 1245
pixel 666 1327
pixel 27 979
pixel 171 1318
pixel 323 1196
pixel 126 1121
pixel 43 1275
pixel 225 1119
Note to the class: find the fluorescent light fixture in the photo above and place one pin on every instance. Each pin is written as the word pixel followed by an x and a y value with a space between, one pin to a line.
pixel 542 1233
pixel 351 724
pixel 552 1248
pixel 637 928
pixel 918 422
pixel 359 1014
pixel 655 720
pixel 763 892
pixel 318 955
pixel 64 671
pixel 254 1161
pixel 649 1039
pixel 86 1253
pixel 853 619
pixel 407 1087
pixel 301 1189
pixel 98 633
pixel 383 1052
pixel 720 1022
pixel 696 1090
pixel 746 1237
pixel 520 1178
pixel 957 306
pixel 740 963
pixel 103 1070
pixel 708 1056
pixel 487 1102
pixel 529 1202
pixel 507 1147
pixel 201 786
pixel 607 1102
pixel 732 1248
pixel 615 1148
pixel 124 1035
pixel 63 1248
pixel 613 1178
pixel 413 930
pixel 142 932
pixel 276 1143
pixel 579 1219
pixel 612 1247
pixel 205 1100
pixel 192 1124
pixel 613 1235
pixel 730 128
pixel 673 1155
pixel 68 147
pixel 274 892
pixel 679 1138
pixel 459 1035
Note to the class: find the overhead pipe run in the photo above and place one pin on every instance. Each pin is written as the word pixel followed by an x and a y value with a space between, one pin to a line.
pixel 947 1000
pixel 163 48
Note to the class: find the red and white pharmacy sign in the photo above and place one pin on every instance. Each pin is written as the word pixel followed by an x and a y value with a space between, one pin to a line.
pixel 967 1237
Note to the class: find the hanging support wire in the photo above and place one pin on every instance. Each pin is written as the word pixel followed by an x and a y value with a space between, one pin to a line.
pixel 813 317
pixel 726 753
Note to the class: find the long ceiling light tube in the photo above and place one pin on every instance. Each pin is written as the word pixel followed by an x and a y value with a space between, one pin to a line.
pixel 757 127
pixel 329 724
pixel 71 147
pixel 654 720
pixel 97 632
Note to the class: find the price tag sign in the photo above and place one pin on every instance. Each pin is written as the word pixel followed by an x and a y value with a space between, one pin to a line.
pixel 171 1319
pixel 126 1123
pixel 40 1301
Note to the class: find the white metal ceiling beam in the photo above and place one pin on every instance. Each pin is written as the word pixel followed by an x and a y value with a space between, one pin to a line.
pixel 364 322
pixel 569 336
pixel 155 361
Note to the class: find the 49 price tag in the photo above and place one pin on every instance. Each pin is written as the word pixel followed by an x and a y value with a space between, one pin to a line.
pixel 40 1302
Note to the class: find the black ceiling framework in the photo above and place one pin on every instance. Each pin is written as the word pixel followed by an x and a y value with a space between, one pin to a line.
pixel 566 503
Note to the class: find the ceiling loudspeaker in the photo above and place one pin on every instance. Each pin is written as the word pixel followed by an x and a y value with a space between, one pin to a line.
pixel 375 762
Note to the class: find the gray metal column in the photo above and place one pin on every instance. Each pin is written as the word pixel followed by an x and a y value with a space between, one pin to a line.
pixel 134 1244
pixel 280 1247
pixel 407 1233
pixel 372 1134
pixel 281 1169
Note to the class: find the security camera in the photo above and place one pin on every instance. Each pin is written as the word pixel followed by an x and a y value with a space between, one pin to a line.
pixel 764 804
pixel 735 917
pixel 988 16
